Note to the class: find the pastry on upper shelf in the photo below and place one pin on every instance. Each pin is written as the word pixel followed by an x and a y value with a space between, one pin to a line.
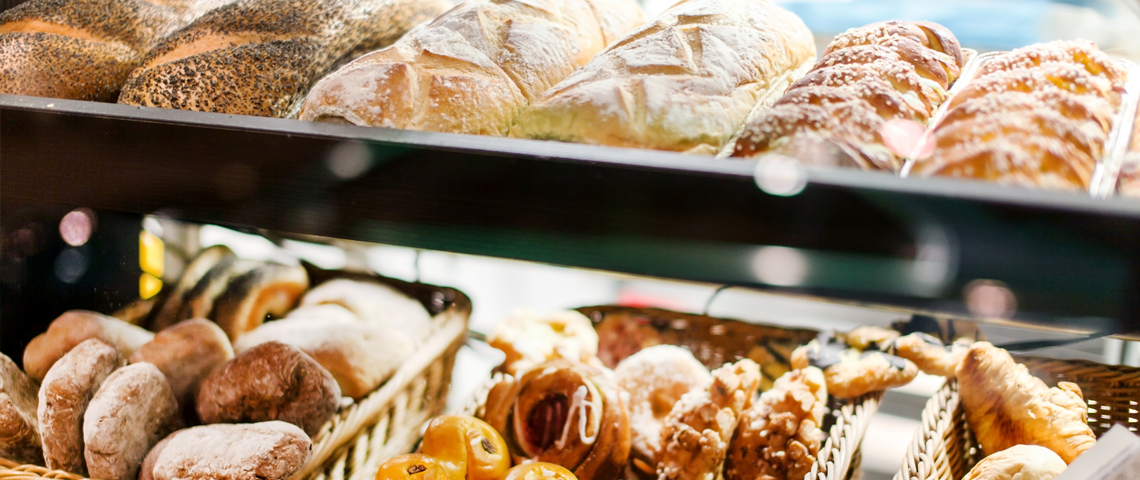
pixel 780 436
pixel 835 114
pixel 683 83
pixel 852 372
pixel 1019 462
pixel 695 439
pixel 563 412
pixel 259 57
pixel 84 49
pixel 474 68
pixel 529 339
pixel 1006 406
pixel 1036 116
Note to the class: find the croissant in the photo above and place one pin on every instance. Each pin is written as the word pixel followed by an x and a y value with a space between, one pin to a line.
pixel 1006 406
pixel 565 413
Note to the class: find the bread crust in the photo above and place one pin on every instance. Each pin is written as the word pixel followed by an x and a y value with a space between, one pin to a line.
pixel 267 290
pixel 268 451
pixel 1020 462
pixel 19 426
pixel 64 396
pixel 71 329
pixel 186 353
pixel 131 412
pixel 193 273
pixel 373 302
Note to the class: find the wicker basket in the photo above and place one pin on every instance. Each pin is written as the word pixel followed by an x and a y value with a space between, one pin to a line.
pixel 715 341
pixel 383 424
pixel 944 448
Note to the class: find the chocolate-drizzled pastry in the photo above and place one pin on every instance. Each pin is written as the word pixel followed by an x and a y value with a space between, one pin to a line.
pixel 851 372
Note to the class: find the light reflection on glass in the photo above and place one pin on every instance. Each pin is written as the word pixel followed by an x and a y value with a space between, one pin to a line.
pixel 780 175
pixel 70 265
pixel 989 299
pixel 77 226
pixel 349 160
pixel 781 266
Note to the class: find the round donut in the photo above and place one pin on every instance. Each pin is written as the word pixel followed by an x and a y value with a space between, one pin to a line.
pixel 470 444
pixel 851 372
pixel 655 379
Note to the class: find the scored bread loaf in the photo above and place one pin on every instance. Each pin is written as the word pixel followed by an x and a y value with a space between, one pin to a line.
pixel 19 428
pixel 685 82
pixel 473 69
pixel 84 49
pixel 71 329
pixel 259 57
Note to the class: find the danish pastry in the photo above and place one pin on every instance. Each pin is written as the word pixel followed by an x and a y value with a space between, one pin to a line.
pixel 1019 462
pixel 695 439
pixel 529 339
pixel 779 437
pixel 850 372
pixel 566 413
pixel 417 466
pixel 1006 406
pixel 655 379
pixel 469 444
pixel 539 471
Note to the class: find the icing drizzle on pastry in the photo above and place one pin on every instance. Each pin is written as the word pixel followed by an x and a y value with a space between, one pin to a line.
pixel 579 405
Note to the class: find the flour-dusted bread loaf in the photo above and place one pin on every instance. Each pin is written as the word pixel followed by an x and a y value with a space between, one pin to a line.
pixel 205 260
pixel 130 413
pixel 685 82
pixel 360 355
pixel 84 49
pixel 64 396
pixel 271 381
pixel 186 353
pixel 267 290
pixel 374 302
pixel 263 451
pixel 72 328
pixel 473 69
pixel 19 427
pixel 259 57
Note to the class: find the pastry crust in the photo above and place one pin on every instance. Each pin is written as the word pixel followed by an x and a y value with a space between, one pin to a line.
pixel 655 379
pixel 851 372
pixel 529 339
pixel 1006 406
pixel 1019 462
pixel 697 431
pixel 929 354
pixel 780 436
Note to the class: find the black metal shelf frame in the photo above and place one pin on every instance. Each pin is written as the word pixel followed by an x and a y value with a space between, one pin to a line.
pixel 1071 262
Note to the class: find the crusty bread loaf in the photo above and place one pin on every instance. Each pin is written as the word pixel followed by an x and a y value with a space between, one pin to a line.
pixel 19 427
pixel 272 381
pixel 359 355
pixel 64 396
pixel 186 353
pixel 72 328
pixel 131 412
pixel 263 451
pixel 685 82
pixel 473 69
pixel 205 260
pixel 374 302
pixel 267 290
pixel 259 57
pixel 84 49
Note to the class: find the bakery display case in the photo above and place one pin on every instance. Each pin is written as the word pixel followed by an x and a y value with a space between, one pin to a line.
pixel 817 207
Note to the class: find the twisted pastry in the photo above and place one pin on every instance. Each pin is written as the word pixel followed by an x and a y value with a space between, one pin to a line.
pixel 779 437
pixel 852 372
pixel 565 413
pixel 697 431
pixel 1006 406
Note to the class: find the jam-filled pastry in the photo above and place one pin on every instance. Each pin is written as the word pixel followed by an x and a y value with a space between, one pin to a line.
pixel 621 335
pixel 539 471
pixel 529 339
pixel 1020 462
pixel 929 354
pixel 655 379
pixel 454 448
pixel 780 436
pixel 695 439
pixel 851 372
pixel 565 413
pixel 1006 406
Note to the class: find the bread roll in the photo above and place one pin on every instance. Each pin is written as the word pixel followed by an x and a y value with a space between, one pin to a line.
pixel 272 381
pixel 72 328
pixel 186 353
pixel 267 290
pixel 19 428
pixel 64 396
pixel 473 69
pixel 191 275
pixel 84 49
pixel 265 451
pixel 199 301
pixel 375 302
pixel 685 82
pixel 131 412
pixel 259 57
pixel 359 355
pixel 1019 462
